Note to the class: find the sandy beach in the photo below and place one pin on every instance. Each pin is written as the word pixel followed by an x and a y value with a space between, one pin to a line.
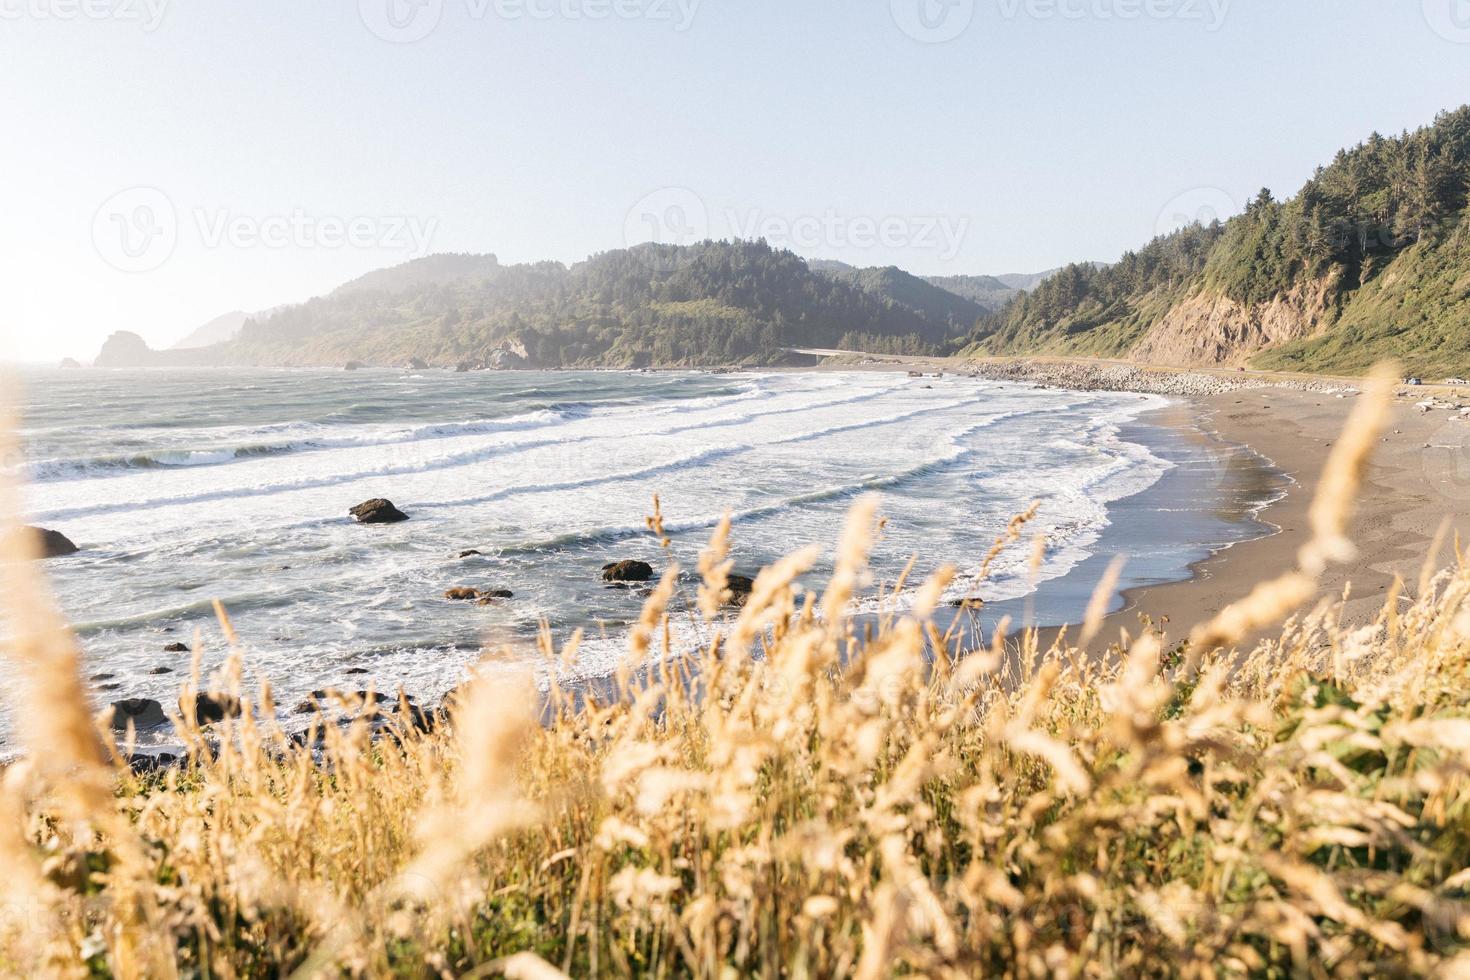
pixel 1417 488
pixel 1416 497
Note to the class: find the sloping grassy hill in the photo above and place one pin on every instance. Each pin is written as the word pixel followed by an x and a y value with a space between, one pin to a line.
pixel 1369 260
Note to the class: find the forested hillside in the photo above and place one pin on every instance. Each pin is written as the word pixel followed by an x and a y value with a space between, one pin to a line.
pixel 990 293
pixel 712 303
pixel 923 296
pixel 1370 259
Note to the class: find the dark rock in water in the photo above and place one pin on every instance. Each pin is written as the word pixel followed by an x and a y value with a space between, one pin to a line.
pixel 141 712
pixel 630 570
pixel 109 687
pixel 462 367
pixel 740 587
pixel 327 698
pixel 70 362
pixel 142 762
pixel 52 544
pixel 176 648
pixel 161 670
pixel 377 511
pixel 469 553
pixel 382 725
pixel 417 364
pixel 210 708
pixel 484 595
pixel 353 366
pixel 972 602
pixel 103 677
pixel 357 670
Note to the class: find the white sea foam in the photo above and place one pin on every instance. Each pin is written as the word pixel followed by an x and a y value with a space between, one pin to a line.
pixel 547 476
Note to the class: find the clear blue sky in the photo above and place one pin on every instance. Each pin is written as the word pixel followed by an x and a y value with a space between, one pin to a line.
pixel 1042 132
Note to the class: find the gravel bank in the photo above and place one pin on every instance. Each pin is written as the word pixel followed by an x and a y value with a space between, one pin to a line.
pixel 1107 376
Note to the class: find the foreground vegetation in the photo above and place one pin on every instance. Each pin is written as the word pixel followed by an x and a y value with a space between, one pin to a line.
pixel 839 801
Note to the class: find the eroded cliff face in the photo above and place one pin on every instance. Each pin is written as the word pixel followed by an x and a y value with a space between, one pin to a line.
pixel 1210 328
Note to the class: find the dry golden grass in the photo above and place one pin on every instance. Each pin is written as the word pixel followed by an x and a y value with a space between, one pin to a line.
pixel 829 804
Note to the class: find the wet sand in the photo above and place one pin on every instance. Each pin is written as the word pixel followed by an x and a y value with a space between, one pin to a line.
pixel 1418 483
pixel 1417 487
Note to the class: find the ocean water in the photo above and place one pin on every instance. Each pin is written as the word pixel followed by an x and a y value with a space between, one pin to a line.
pixel 187 486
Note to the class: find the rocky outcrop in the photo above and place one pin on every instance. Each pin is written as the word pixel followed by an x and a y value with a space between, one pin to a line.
pixel 503 358
pixel 317 700
pixel 1210 328
pixel 176 647
pixel 70 363
pixel 210 708
pixel 140 713
pixel 125 349
pixel 46 543
pixel 629 570
pixel 740 587
pixel 377 511
pixel 485 596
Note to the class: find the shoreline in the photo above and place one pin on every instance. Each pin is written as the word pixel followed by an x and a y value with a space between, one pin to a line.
pixel 1416 493
pixel 1414 504
pixel 1290 423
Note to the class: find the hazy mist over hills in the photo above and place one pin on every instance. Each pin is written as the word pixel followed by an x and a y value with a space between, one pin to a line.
pixel 1370 259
